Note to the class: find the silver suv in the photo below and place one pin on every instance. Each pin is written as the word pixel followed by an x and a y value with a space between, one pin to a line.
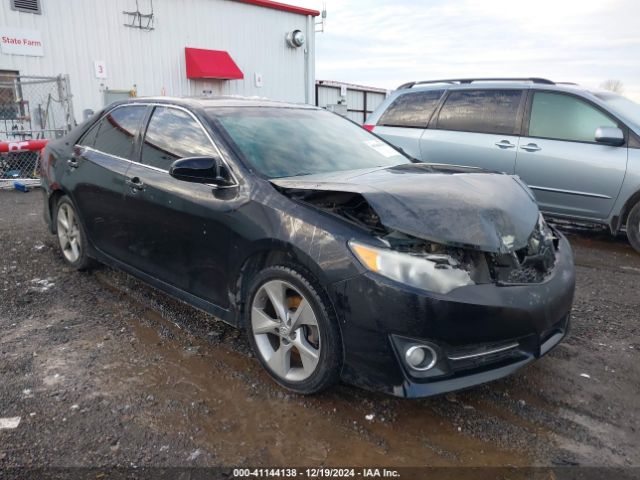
pixel 578 150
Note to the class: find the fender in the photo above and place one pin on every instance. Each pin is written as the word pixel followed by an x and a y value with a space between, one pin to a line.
pixel 619 220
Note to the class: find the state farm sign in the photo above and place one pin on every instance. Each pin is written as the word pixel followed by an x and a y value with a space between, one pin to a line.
pixel 18 41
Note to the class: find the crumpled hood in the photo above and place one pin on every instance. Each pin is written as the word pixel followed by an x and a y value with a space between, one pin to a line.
pixel 455 206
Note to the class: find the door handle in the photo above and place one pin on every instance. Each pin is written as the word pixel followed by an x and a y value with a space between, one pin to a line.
pixel 73 163
pixel 530 147
pixel 135 184
pixel 504 144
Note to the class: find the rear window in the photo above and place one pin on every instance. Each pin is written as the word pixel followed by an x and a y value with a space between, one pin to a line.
pixel 411 109
pixel 482 111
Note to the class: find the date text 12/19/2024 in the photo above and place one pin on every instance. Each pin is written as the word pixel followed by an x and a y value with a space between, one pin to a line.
pixel 240 473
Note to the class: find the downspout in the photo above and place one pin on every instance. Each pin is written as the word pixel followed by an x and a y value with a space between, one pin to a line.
pixel 309 56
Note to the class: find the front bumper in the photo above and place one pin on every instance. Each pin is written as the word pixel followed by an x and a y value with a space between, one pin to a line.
pixel 374 310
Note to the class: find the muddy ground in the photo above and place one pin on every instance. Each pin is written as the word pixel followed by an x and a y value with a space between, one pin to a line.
pixel 104 370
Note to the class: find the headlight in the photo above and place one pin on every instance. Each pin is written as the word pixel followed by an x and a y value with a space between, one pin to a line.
pixel 435 273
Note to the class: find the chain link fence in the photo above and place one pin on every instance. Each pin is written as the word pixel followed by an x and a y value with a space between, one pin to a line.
pixel 32 110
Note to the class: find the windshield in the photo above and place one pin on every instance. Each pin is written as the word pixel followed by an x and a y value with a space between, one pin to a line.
pixel 622 106
pixel 286 142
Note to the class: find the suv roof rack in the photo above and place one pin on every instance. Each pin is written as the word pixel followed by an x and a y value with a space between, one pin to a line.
pixel 462 81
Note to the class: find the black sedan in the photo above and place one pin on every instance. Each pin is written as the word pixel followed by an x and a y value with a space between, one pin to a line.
pixel 339 255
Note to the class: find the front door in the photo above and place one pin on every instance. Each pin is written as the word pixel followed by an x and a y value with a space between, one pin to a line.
pixel 177 229
pixel 561 162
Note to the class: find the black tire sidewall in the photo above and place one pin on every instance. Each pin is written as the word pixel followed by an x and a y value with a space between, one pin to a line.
pixel 633 227
pixel 328 369
pixel 84 261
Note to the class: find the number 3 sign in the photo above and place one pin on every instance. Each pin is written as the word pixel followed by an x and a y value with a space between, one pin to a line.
pixel 100 68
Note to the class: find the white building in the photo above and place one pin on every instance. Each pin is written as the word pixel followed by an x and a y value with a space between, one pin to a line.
pixel 356 102
pixel 116 48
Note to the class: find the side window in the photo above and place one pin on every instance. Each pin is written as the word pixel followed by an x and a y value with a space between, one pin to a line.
pixel 118 129
pixel 411 109
pixel 174 134
pixel 482 111
pixel 564 117
pixel 89 138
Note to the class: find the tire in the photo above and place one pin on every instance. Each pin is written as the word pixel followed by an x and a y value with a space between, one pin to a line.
pixel 303 353
pixel 633 227
pixel 72 238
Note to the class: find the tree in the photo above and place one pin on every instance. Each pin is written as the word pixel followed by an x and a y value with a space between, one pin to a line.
pixel 612 85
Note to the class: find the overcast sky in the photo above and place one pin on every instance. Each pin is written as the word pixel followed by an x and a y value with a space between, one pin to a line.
pixel 384 43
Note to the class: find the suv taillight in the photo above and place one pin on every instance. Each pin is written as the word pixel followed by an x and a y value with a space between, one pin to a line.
pixel 368 127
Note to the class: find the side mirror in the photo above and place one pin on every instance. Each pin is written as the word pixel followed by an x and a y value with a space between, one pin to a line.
pixel 610 136
pixel 201 170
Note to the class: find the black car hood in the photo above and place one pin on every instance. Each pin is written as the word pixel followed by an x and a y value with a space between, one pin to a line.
pixel 456 206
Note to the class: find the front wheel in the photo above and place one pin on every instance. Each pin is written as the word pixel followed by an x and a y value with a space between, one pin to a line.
pixel 633 227
pixel 292 330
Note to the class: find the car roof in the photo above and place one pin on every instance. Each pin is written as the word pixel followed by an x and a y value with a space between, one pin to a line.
pixel 562 87
pixel 218 101
pixel 486 84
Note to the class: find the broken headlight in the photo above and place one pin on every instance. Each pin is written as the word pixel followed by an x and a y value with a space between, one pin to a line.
pixel 438 273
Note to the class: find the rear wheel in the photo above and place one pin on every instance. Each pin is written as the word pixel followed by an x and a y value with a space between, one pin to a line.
pixel 292 330
pixel 633 227
pixel 71 236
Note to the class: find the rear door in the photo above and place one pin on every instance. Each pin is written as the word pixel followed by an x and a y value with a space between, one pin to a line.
pixel 96 176
pixel 478 128
pixel 177 229
pixel 560 160
pixel 404 121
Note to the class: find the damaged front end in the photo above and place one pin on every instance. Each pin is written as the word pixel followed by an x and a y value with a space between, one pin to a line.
pixel 433 266
pixel 449 247
pixel 440 268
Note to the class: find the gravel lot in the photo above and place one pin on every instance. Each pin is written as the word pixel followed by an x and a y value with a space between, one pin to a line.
pixel 104 370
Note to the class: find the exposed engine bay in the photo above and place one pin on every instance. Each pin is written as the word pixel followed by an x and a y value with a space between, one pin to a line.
pixel 530 264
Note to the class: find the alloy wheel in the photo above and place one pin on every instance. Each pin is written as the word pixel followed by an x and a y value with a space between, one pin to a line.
pixel 285 329
pixel 69 233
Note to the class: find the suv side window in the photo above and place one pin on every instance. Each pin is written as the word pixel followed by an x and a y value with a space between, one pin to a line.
pixel 411 109
pixel 565 117
pixel 117 131
pixel 174 134
pixel 481 111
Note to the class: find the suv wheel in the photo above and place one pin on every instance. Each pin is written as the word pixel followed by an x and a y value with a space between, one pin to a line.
pixel 71 236
pixel 633 227
pixel 292 330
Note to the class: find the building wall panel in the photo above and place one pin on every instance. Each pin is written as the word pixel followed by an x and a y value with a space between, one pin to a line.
pixel 374 100
pixel 76 33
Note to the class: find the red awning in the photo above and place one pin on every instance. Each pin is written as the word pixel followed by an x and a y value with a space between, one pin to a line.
pixel 211 64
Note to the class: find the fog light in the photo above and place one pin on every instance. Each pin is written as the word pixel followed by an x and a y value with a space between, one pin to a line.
pixel 420 357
